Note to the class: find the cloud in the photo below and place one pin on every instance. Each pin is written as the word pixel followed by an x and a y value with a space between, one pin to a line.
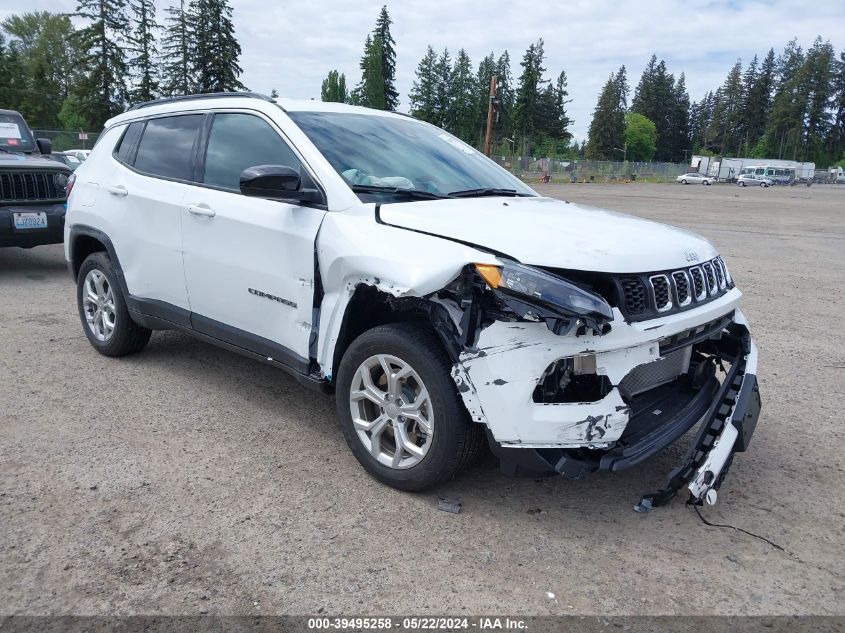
pixel 291 46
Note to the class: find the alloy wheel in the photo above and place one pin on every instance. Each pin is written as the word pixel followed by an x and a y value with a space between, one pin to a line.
pixel 98 305
pixel 391 411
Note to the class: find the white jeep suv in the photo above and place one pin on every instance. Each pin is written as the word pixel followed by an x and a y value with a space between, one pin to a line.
pixel 444 302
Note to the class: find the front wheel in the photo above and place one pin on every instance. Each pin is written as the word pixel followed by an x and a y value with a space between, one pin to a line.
pixel 683 182
pixel 764 185
pixel 705 182
pixel 399 410
pixel 741 184
pixel 102 309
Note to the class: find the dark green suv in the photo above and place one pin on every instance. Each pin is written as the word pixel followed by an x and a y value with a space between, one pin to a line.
pixel 32 186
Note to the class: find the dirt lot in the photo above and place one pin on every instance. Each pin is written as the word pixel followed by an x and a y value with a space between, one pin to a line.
pixel 187 479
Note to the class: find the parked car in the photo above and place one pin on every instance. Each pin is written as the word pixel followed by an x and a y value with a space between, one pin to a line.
pixel 753 180
pixel 66 159
pixel 694 179
pixel 444 302
pixel 80 154
pixel 32 186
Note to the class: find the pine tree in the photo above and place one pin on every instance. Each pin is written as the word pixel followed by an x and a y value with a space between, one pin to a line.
pixel 527 111
pixel 217 50
pixel 443 92
pixel 177 46
pixel 654 98
pixel 388 59
pixel 142 47
pixel 423 91
pixel 504 96
pixel 460 119
pixel 727 113
pixel 485 72
pixel 784 129
pixel 334 88
pixel 836 138
pixel 370 91
pixel 607 129
pixel 102 87
pixel 758 98
pixel 679 145
pixel 818 74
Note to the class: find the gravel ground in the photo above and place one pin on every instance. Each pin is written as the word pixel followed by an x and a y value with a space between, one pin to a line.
pixel 187 479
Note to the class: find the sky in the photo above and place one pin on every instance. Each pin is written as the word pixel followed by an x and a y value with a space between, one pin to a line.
pixel 291 45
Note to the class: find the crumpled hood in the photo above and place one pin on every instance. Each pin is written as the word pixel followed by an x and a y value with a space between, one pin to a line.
pixel 553 233
pixel 30 161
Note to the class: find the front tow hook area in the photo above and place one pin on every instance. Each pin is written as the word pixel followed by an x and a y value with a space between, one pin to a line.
pixel 726 429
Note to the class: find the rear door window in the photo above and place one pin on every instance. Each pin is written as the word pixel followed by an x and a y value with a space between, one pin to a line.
pixel 239 141
pixel 168 146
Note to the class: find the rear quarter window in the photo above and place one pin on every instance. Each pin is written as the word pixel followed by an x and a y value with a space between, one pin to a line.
pixel 125 150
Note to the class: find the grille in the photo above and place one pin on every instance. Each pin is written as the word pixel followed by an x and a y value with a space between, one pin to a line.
pixel 682 286
pixel 658 372
pixel 710 276
pixel 634 295
pixel 26 186
pixel 662 292
pixel 720 275
pixel 698 283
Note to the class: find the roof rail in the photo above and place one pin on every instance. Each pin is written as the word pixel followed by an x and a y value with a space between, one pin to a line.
pixel 206 95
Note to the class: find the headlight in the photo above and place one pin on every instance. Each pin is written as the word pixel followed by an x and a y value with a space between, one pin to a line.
pixel 60 180
pixel 536 287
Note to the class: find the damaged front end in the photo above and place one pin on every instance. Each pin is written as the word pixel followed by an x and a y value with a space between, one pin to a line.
pixel 567 382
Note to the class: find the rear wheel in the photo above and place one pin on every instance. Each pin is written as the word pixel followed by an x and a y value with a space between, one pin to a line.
pixel 399 410
pixel 102 309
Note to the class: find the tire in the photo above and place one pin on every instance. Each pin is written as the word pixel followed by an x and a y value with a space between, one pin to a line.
pixel 741 183
pixel 124 337
pixel 763 185
pixel 705 182
pixel 683 182
pixel 454 440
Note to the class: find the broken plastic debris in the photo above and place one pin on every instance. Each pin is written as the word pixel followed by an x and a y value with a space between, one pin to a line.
pixel 449 505
pixel 643 506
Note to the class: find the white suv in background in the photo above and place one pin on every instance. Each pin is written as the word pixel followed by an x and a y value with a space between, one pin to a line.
pixel 443 301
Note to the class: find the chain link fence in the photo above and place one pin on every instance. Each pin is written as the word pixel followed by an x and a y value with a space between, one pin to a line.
pixel 576 170
pixel 68 139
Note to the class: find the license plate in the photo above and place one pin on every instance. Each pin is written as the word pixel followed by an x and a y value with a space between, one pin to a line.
pixel 30 220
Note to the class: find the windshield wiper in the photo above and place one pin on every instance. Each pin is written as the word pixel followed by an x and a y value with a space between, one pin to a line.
pixel 485 191
pixel 410 193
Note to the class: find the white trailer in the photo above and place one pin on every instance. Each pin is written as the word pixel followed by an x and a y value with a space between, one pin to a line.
pixel 727 169
pixel 700 164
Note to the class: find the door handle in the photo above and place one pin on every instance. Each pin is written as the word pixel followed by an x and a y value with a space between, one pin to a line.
pixel 119 190
pixel 201 210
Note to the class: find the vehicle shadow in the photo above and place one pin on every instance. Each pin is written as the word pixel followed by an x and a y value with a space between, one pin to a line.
pixel 481 487
pixel 36 264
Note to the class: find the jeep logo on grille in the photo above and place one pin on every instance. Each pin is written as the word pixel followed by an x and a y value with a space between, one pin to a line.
pixel 691 256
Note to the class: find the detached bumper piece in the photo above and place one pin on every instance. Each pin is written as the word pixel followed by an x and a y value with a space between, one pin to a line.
pixel 727 429
pixel 727 410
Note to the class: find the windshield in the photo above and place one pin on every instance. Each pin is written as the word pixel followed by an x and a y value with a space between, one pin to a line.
pixel 391 156
pixel 14 134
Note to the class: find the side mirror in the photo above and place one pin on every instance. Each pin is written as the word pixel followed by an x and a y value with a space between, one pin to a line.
pixel 45 146
pixel 276 182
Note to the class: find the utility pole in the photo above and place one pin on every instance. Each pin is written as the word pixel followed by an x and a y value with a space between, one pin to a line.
pixel 491 108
